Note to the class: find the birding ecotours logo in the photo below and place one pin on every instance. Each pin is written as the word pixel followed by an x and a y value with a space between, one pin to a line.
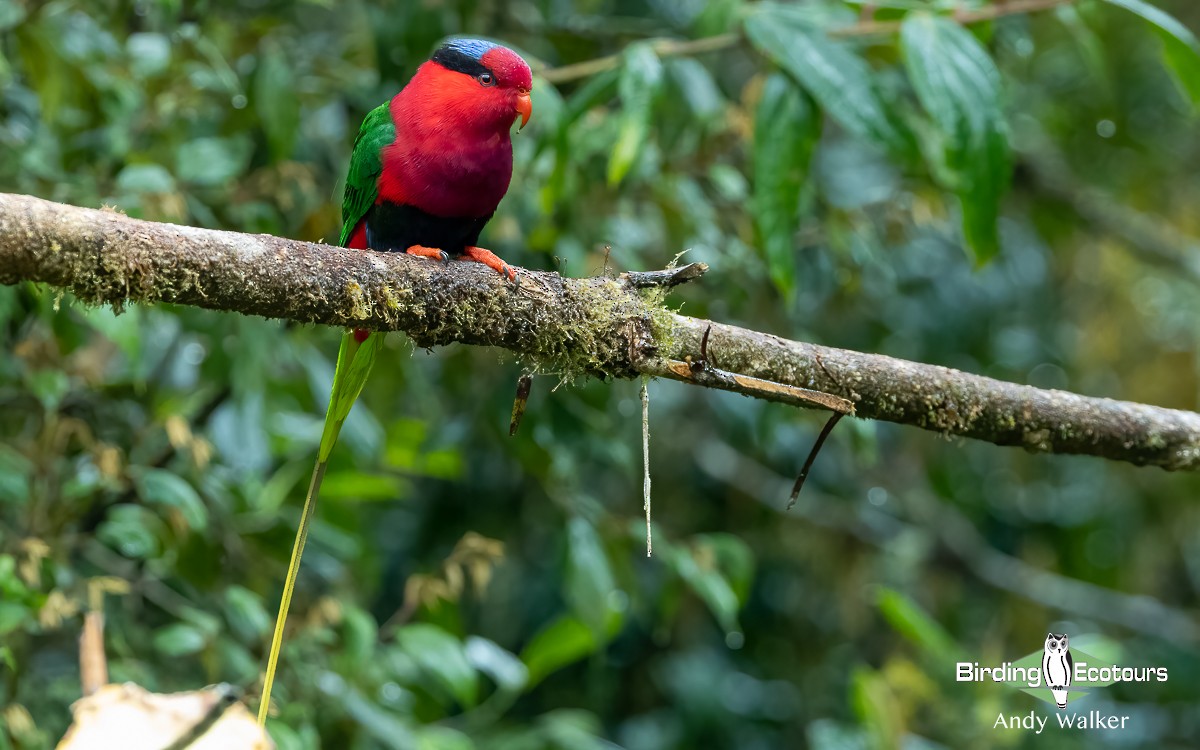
pixel 1059 672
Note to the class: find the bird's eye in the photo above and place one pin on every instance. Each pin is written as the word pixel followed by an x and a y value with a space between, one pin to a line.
pixel 487 79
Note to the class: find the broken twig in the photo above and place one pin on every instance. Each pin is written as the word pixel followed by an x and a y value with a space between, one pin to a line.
pixel 524 384
pixel 667 277
pixel 812 456
pixel 769 390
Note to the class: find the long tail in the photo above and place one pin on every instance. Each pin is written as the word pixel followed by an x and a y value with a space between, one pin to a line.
pixel 354 362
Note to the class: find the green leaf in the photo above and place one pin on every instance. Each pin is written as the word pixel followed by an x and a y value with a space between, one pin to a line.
pixel 734 558
pixel 212 161
pixel 640 82
pixel 11 14
pixel 7 658
pixel 787 126
pixel 697 567
pixel 441 655
pixel 827 734
pixel 126 330
pixel 562 642
pixel 145 178
pixel 11 585
pixel 877 707
pixel 391 730
pixel 731 185
pixel 149 53
pixel 549 106
pixel 1184 61
pixel 237 663
pixel 1181 48
pixel 276 102
pixel 505 669
pixel 131 530
pixel 573 728
pixel 593 92
pixel 1090 47
pixel 283 735
pixel 959 86
pixel 443 738
pixel 161 487
pixel 15 472
pixel 589 579
pixel 716 18
pixel 694 84
pixel 49 386
pixel 244 610
pixel 837 77
pixel 12 615
pixel 360 634
pixel 179 639
pixel 361 486
pixel 206 622
pixel 908 619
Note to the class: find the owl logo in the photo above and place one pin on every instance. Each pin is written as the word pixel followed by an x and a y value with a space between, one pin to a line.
pixel 1057 667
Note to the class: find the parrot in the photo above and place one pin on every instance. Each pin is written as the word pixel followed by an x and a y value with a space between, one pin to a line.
pixel 426 174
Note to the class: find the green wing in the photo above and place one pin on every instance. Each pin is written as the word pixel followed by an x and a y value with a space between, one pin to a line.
pixel 366 164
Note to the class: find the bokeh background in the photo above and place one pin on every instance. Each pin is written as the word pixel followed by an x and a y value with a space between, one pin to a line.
pixel 466 589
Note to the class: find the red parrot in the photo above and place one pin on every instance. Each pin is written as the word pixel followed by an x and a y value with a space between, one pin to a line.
pixel 430 167
pixel 427 172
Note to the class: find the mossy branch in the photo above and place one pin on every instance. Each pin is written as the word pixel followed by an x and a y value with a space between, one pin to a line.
pixel 572 327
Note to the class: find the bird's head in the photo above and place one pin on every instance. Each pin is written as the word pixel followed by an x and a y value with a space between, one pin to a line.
pixel 484 83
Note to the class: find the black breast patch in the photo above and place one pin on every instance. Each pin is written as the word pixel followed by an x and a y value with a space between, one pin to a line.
pixel 392 227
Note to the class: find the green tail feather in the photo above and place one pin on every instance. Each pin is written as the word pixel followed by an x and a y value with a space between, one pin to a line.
pixel 354 364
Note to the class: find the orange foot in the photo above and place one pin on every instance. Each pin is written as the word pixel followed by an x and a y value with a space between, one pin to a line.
pixel 429 252
pixel 489 259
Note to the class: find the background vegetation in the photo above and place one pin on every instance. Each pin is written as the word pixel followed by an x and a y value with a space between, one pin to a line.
pixel 464 589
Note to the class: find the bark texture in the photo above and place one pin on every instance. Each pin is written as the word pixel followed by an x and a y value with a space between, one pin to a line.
pixel 599 325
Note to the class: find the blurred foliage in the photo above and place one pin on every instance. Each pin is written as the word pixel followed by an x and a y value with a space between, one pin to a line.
pixel 463 589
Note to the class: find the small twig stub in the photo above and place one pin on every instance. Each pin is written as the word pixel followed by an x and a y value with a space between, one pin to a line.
pixel 667 277
pixel 524 384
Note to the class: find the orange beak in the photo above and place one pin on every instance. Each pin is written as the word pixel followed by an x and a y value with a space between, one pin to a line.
pixel 524 107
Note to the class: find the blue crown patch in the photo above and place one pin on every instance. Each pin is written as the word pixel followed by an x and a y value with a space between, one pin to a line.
pixel 473 48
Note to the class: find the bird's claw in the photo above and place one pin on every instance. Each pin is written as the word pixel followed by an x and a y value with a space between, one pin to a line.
pixel 489 259
pixel 436 253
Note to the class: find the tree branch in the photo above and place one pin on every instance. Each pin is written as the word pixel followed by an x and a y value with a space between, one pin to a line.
pixel 568 326
pixel 865 27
